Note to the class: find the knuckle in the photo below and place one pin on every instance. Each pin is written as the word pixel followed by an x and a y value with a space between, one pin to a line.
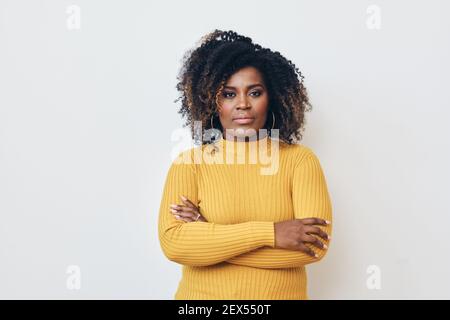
pixel 301 238
pixel 297 244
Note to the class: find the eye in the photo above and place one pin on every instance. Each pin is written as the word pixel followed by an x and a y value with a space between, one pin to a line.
pixel 226 94
pixel 257 92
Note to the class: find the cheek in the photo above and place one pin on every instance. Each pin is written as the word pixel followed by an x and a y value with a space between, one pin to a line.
pixel 225 110
pixel 265 101
pixel 262 105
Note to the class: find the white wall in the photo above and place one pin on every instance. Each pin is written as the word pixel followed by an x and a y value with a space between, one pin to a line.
pixel 86 118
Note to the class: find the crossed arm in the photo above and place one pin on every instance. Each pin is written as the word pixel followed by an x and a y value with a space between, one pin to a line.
pixel 250 243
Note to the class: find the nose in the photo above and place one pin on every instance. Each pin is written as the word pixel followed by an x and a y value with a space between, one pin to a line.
pixel 243 103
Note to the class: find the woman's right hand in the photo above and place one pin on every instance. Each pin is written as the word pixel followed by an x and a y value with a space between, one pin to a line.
pixel 294 234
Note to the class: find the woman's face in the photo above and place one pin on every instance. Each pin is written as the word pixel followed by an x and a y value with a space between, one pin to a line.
pixel 243 104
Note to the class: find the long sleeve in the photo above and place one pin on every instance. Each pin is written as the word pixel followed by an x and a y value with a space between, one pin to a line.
pixel 203 243
pixel 310 199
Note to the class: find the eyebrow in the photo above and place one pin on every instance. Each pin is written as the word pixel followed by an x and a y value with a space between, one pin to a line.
pixel 248 87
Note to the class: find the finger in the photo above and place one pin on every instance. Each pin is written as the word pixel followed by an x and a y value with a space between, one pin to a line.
pixel 319 244
pixel 187 202
pixel 315 221
pixel 314 241
pixel 184 214
pixel 182 218
pixel 308 251
pixel 317 231
pixel 189 210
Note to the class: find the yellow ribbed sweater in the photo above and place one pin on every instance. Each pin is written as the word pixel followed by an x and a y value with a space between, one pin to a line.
pixel 232 256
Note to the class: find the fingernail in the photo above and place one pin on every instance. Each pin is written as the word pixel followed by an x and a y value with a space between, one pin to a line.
pixel 325 246
pixel 174 206
pixel 183 197
pixel 327 222
pixel 177 216
pixel 316 255
pixel 174 211
pixel 329 237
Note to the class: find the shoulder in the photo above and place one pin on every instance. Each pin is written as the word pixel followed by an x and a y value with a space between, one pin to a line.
pixel 186 156
pixel 298 153
pixel 297 150
pixel 183 162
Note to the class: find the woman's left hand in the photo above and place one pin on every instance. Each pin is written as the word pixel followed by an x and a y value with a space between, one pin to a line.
pixel 187 212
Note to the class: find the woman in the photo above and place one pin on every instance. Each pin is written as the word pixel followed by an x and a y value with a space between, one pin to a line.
pixel 243 229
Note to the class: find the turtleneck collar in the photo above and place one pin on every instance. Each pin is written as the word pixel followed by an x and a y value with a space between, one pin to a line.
pixel 241 149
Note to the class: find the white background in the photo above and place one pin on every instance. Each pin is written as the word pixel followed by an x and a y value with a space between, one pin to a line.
pixel 87 116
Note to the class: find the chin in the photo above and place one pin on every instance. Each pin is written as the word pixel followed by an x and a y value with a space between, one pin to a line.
pixel 245 131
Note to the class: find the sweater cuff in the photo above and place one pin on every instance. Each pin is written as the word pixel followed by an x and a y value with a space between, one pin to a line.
pixel 264 233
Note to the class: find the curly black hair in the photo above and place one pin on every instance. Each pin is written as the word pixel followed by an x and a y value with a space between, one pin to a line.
pixel 206 68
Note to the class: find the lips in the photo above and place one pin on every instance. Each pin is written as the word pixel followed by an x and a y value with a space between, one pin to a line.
pixel 243 117
pixel 243 120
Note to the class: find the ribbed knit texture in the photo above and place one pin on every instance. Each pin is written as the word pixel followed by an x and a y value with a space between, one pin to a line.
pixel 233 255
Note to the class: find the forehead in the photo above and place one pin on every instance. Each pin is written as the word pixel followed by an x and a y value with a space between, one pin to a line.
pixel 244 77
